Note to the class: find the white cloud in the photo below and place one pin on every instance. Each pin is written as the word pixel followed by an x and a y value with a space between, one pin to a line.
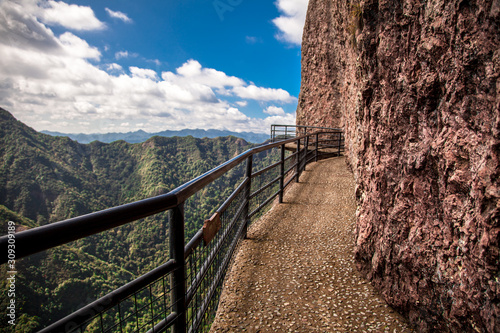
pixel 143 73
pixel 48 82
pixel 78 48
pixel 19 28
pixel 118 15
pixel 287 118
pixel 114 67
pixel 69 16
pixel 292 19
pixel 262 125
pixel 189 94
pixel 192 71
pixel 263 94
pixel 123 54
pixel 156 62
pixel 274 111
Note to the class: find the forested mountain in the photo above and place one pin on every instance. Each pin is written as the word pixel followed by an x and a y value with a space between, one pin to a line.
pixel 44 179
pixel 47 179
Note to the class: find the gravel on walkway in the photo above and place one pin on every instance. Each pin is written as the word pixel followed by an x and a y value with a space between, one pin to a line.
pixel 296 270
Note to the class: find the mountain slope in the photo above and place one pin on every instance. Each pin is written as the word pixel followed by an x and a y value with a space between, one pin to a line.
pixel 44 179
pixel 47 179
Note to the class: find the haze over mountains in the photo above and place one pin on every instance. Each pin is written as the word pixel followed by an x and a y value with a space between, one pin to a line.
pixel 141 136
pixel 44 179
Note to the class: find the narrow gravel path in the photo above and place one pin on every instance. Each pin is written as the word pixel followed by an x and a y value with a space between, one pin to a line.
pixel 296 271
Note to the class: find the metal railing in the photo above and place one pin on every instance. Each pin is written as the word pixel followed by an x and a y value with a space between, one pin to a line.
pixel 284 132
pixel 330 144
pixel 182 294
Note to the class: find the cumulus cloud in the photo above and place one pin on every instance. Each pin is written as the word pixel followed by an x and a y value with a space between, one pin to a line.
pixel 57 83
pixel 124 54
pixel 69 16
pixel 114 68
pixel 142 73
pixel 192 71
pixel 77 47
pixel 20 29
pixel 118 15
pixel 274 111
pixel 292 19
pixel 263 94
pixel 287 118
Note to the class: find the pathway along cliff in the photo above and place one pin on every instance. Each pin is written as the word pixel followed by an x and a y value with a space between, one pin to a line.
pixel 296 271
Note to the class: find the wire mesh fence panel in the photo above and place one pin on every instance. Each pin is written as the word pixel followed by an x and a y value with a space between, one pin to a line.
pixel 264 187
pixel 207 265
pixel 204 203
pixel 191 238
pixel 140 312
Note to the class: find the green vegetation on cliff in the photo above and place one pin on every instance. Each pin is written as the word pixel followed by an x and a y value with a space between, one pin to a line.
pixel 44 179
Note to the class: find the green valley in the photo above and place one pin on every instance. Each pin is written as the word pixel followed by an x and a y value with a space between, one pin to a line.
pixel 44 179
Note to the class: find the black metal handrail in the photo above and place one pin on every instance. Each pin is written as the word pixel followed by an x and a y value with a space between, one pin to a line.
pixel 284 132
pixel 187 286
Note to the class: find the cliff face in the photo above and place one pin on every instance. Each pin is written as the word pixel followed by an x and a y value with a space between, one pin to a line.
pixel 416 86
pixel 321 80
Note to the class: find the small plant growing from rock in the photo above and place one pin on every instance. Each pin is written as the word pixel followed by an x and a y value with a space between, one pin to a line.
pixel 355 21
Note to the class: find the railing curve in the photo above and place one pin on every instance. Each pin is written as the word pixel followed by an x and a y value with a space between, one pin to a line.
pixel 284 132
pixel 183 292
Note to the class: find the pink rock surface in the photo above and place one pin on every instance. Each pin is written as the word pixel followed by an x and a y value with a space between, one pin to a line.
pixel 415 84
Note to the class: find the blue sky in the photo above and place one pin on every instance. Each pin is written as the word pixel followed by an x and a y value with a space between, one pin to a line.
pixel 115 66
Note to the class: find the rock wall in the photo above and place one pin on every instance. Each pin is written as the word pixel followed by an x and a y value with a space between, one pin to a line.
pixel 416 86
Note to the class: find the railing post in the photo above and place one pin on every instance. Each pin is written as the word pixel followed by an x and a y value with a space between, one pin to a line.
pixel 248 189
pixel 297 168
pixel 282 173
pixel 340 139
pixel 316 148
pixel 306 146
pixel 178 277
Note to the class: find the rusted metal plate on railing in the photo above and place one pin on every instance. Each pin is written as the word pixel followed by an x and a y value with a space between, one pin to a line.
pixel 210 228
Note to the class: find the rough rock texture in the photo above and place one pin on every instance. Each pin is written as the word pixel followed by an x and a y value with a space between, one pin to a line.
pixel 416 85
pixel 322 77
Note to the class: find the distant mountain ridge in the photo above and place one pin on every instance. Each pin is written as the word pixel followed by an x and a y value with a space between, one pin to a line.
pixel 141 136
pixel 45 179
